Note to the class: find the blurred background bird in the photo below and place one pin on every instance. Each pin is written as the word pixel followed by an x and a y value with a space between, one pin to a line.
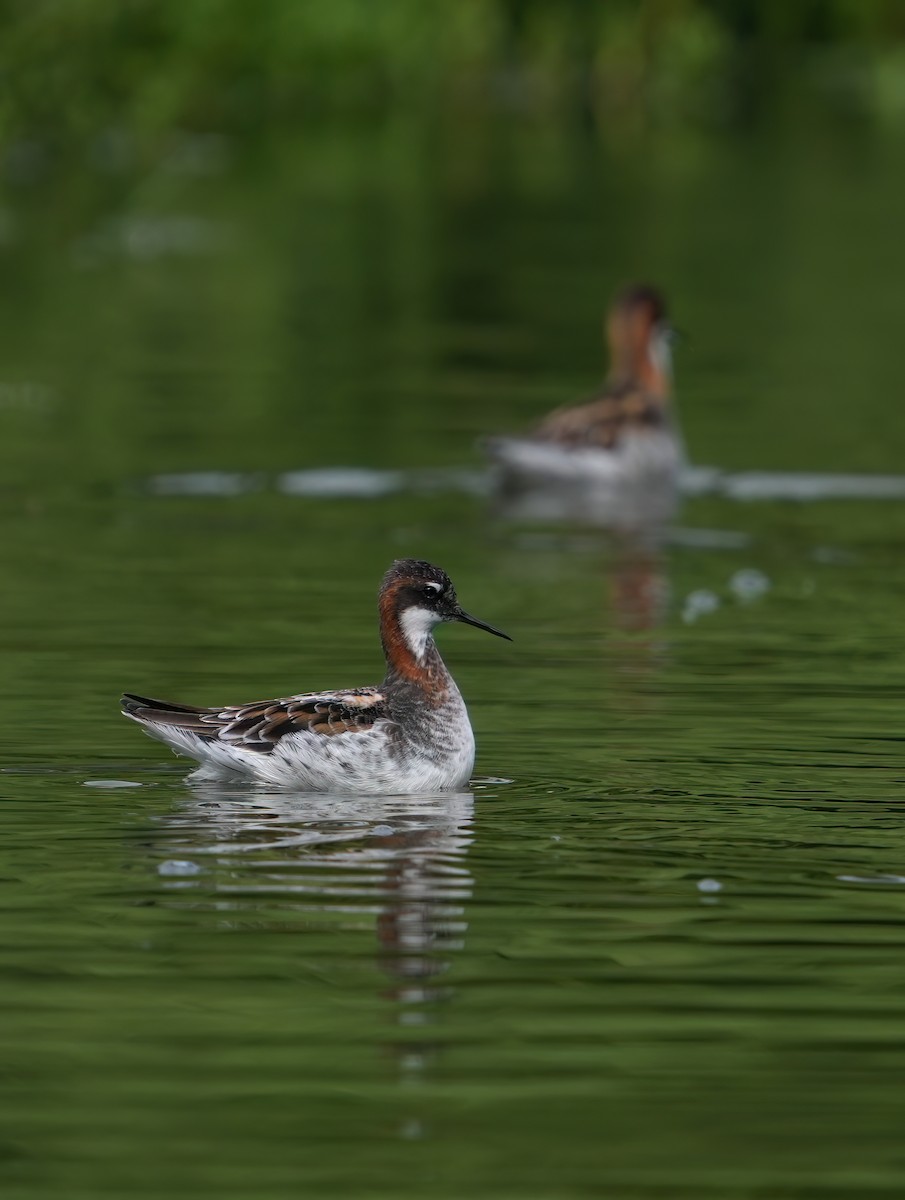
pixel 614 458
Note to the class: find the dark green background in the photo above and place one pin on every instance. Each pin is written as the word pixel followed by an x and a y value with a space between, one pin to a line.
pixel 532 998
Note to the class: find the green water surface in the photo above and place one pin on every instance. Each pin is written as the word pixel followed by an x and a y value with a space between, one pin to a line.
pixel 659 949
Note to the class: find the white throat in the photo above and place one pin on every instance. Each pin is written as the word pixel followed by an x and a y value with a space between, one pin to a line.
pixel 417 624
pixel 660 351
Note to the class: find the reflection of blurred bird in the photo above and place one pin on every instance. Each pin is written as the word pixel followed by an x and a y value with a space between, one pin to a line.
pixel 622 448
pixel 410 735
pixel 638 591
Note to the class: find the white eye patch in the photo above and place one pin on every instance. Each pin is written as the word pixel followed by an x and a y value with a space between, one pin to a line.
pixel 435 587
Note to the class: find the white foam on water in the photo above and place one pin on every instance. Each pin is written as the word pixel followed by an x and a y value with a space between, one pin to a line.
pixel 111 783
pixel 176 866
pixel 340 482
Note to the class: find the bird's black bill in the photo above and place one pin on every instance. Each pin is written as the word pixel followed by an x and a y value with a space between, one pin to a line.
pixel 463 616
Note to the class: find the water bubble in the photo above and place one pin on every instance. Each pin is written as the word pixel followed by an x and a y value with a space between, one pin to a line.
pixel 383 831
pixel 749 584
pixel 178 866
pixel 698 604
pixel 709 885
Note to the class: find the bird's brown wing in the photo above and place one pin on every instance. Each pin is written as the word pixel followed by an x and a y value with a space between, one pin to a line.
pixel 260 725
pixel 603 421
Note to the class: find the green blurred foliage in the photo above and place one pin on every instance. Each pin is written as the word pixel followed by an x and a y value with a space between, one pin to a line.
pixel 71 67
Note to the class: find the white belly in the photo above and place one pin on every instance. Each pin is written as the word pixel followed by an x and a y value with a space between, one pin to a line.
pixel 635 483
pixel 438 757
pixel 651 455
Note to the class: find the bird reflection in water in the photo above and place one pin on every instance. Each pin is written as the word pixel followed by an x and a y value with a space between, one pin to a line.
pixel 636 606
pixel 637 586
pixel 403 857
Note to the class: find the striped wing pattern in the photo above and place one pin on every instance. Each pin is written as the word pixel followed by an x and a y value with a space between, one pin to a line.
pixel 603 421
pixel 260 725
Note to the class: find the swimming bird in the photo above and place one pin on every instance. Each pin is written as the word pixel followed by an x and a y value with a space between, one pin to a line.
pixel 409 735
pixel 622 448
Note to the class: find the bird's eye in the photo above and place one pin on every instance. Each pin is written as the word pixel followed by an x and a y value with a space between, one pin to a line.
pixel 431 591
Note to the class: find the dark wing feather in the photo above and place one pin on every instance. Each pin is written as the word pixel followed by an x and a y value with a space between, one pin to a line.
pixel 601 422
pixel 259 726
